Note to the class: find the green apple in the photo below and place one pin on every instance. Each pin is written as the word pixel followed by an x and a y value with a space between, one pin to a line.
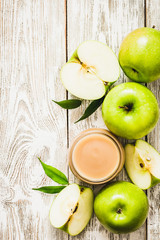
pixel 121 207
pixel 142 164
pixel 139 55
pixel 92 66
pixel 130 110
pixel 72 209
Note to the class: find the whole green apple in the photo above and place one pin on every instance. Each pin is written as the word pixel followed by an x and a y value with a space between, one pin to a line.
pixel 130 110
pixel 121 207
pixel 139 55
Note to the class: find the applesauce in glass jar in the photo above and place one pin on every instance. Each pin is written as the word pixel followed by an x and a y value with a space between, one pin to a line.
pixel 96 156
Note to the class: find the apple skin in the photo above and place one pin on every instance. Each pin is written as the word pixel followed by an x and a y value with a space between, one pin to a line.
pixel 125 197
pixel 139 55
pixel 154 181
pixel 132 124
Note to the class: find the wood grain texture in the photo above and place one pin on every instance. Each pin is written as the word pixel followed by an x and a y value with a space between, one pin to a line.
pixel 153 222
pixel 36 38
pixel 32 53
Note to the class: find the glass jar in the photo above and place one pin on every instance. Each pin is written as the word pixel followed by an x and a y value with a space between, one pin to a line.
pixel 96 156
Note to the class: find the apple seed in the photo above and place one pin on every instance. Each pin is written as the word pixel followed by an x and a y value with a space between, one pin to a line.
pixel 75 208
pixel 141 165
pixel 82 189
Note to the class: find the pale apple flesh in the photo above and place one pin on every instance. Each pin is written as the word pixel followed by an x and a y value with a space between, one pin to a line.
pixel 82 83
pixel 83 213
pixel 142 164
pixel 92 66
pixel 72 209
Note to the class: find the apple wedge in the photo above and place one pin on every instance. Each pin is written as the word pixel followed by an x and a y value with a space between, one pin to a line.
pixel 72 209
pixel 92 66
pixel 142 164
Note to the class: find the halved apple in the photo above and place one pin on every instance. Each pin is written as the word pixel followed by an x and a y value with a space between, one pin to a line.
pixel 72 209
pixel 92 66
pixel 142 164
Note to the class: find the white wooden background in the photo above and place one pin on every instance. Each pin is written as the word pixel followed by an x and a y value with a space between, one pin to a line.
pixel 36 39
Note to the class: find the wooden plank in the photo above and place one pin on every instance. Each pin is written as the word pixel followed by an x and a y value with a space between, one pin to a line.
pixel 106 21
pixel 153 18
pixel 32 51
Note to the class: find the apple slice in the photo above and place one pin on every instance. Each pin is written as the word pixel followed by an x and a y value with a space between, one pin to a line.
pixel 89 70
pixel 72 209
pixel 142 164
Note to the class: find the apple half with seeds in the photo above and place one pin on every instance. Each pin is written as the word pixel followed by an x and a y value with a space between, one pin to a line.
pixel 92 66
pixel 72 209
pixel 142 164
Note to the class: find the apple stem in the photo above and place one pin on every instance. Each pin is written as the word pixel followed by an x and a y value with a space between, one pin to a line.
pixel 125 107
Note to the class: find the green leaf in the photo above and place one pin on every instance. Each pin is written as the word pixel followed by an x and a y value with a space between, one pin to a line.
pixel 50 189
pixel 69 104
pixel 54 173
pixel 93 106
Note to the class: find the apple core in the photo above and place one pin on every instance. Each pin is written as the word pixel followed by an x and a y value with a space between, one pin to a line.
pixel 96 156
